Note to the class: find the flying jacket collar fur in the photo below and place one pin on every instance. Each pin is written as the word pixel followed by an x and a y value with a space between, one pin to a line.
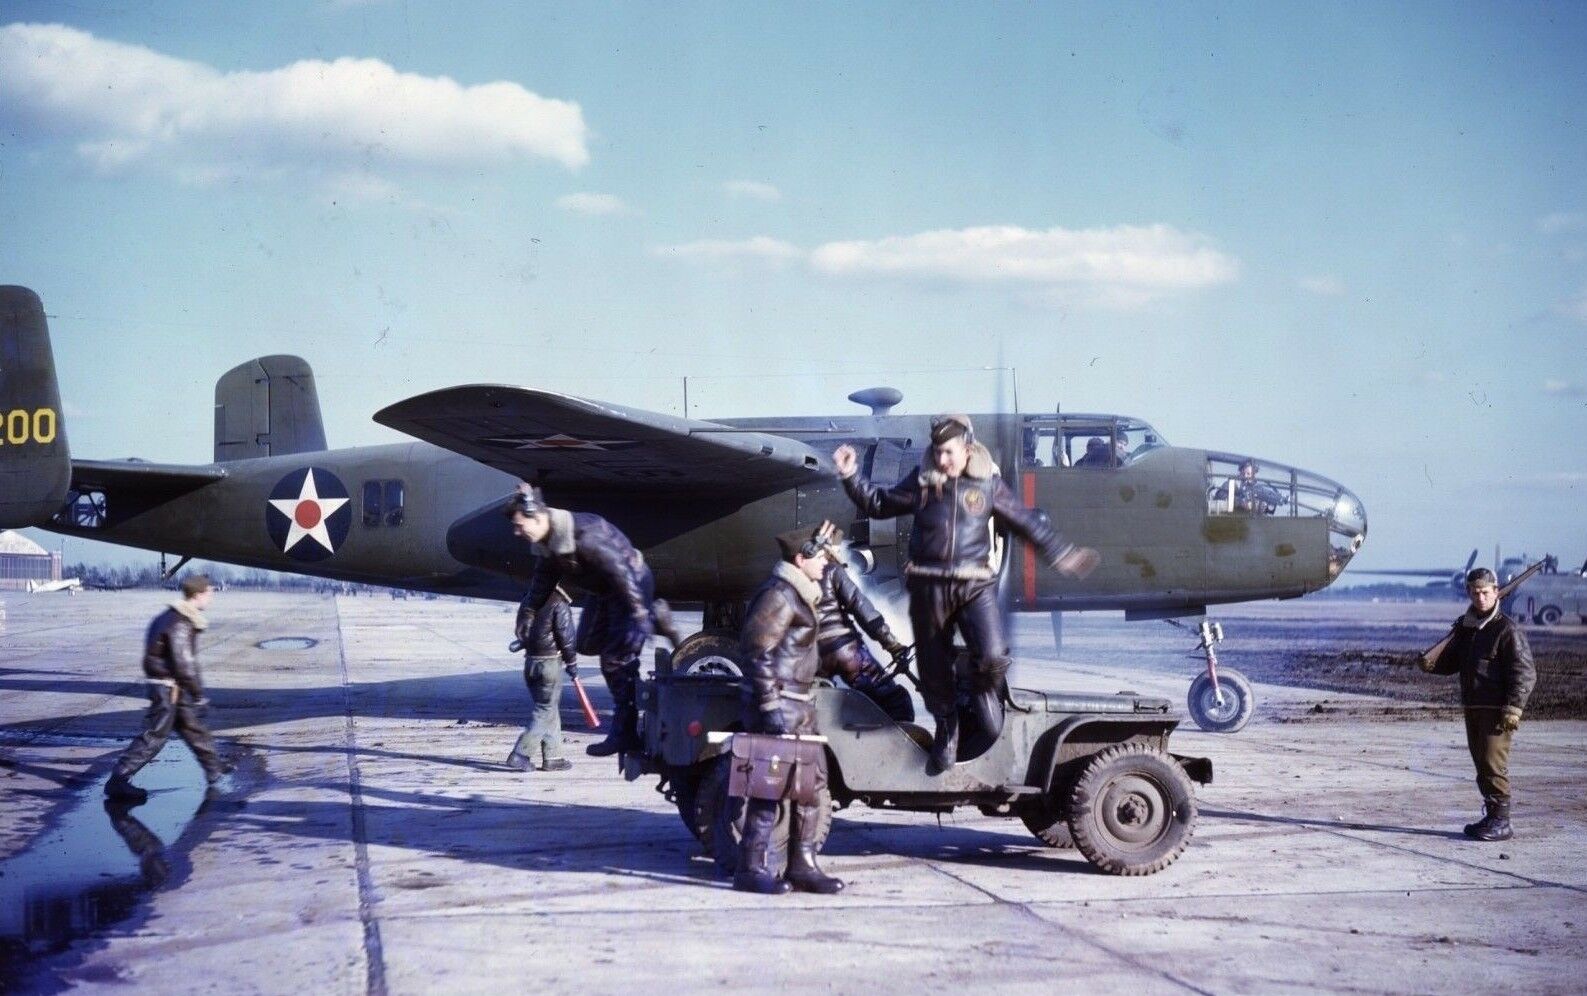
pixel 808 590
pixel 190 612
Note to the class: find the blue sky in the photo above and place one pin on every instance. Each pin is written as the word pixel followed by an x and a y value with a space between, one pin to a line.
pixel 1348 237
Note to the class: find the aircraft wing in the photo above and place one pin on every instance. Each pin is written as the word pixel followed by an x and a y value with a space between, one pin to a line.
pixel 562 441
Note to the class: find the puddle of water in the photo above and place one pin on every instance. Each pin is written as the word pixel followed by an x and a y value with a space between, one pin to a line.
pixel 97 859
pixel 288 643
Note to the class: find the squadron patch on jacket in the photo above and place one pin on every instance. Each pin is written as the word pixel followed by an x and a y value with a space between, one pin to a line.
pixel 974 501
pixel 308 514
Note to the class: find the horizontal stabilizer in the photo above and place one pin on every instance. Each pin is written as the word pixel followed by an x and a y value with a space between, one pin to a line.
pixel 105 493
pixel 169 479
pixel 35 462
pixel 572 443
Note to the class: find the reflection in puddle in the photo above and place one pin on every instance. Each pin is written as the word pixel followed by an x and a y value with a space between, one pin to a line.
pixel 96 859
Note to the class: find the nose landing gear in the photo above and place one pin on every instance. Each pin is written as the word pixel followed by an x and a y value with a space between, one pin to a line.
pixel 1220 700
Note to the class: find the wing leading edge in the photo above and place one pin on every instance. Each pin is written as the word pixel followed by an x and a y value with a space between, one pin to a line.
pixel 573 443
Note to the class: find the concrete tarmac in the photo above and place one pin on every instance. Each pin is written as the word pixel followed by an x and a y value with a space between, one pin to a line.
pixel 375 843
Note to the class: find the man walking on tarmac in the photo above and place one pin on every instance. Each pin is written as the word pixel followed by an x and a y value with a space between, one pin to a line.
pixel 843 611
pixel 1491 655
pixel 951 574
pixel 586 551
pixel 779 641
pixel 176 693
pixel 547 638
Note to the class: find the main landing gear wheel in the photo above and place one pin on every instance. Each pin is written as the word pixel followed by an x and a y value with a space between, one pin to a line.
pixel 709 652
pixel 1223 710
pixel 723 816
pixel 1132 810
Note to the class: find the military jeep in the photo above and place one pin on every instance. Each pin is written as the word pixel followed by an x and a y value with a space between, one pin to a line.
pixel 1091 772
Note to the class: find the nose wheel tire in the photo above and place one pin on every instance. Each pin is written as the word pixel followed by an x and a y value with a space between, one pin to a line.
pixel 1132 810
pixel 1225 709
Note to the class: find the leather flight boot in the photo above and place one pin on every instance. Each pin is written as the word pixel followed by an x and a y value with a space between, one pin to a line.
pixel 519 761
pixel 557 764
pixel 120 789
pixel 944 745
pixel 624 733
pixel 803 872
pixel 753 875
pixel 1495 822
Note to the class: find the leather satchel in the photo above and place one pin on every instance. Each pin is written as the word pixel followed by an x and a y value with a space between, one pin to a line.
pixel 769 766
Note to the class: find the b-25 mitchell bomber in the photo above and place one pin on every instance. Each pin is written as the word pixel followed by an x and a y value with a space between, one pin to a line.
pixel 699 498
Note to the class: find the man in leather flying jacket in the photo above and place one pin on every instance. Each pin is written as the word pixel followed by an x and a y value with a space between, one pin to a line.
pixel 1490 654
pixel 547 639
pixel 585 551
pixel 779 642
pixel 952 576
pixel 176 693
pixel 844 611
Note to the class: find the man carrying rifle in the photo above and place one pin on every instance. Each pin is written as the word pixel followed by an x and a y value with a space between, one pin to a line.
pixel 547 638
pixel 1493 660
pixel 585 550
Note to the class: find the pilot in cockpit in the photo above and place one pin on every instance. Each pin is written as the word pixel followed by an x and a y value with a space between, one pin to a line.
pixel 1097 454
pixel 1254 496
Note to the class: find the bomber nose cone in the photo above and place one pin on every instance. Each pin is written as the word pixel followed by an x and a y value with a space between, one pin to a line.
pixel 1347 530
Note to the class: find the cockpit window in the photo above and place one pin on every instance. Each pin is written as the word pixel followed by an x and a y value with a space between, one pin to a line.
pixel 1095 442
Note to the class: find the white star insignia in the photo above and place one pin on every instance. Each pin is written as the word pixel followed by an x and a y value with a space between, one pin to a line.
pixel 559 441
pixel 307 514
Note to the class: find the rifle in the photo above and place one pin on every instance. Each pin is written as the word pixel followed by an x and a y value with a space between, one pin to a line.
pixel 1430 656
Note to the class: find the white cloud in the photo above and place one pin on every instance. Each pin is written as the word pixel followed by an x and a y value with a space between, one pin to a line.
pixel 124 106
pixel 1323 285
pixel 760 247
pixel 1561 222
pixel 752 190
pixel 585 203
pixel 1564 389
pixel 1123 266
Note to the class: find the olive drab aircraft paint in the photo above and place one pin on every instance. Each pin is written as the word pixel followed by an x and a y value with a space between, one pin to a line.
pixel 1178 528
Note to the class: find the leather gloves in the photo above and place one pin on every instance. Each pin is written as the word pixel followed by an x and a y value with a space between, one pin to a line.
pixel 771 721
pixel 1509 722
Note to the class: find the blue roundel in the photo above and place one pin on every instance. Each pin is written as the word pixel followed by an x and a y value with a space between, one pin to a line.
pixel 308 514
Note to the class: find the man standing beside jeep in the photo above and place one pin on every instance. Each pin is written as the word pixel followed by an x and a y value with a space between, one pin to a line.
pixel 586 551
pixel 779 641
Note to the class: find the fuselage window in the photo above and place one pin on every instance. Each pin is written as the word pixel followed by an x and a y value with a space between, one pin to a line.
pixel 383 503
pixel 373 510
pixel 393 503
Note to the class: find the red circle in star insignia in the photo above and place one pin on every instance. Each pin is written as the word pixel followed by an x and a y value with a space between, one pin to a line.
pixel 307 514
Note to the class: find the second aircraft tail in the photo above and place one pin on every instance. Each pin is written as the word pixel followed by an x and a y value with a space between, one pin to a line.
pixel 35 462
